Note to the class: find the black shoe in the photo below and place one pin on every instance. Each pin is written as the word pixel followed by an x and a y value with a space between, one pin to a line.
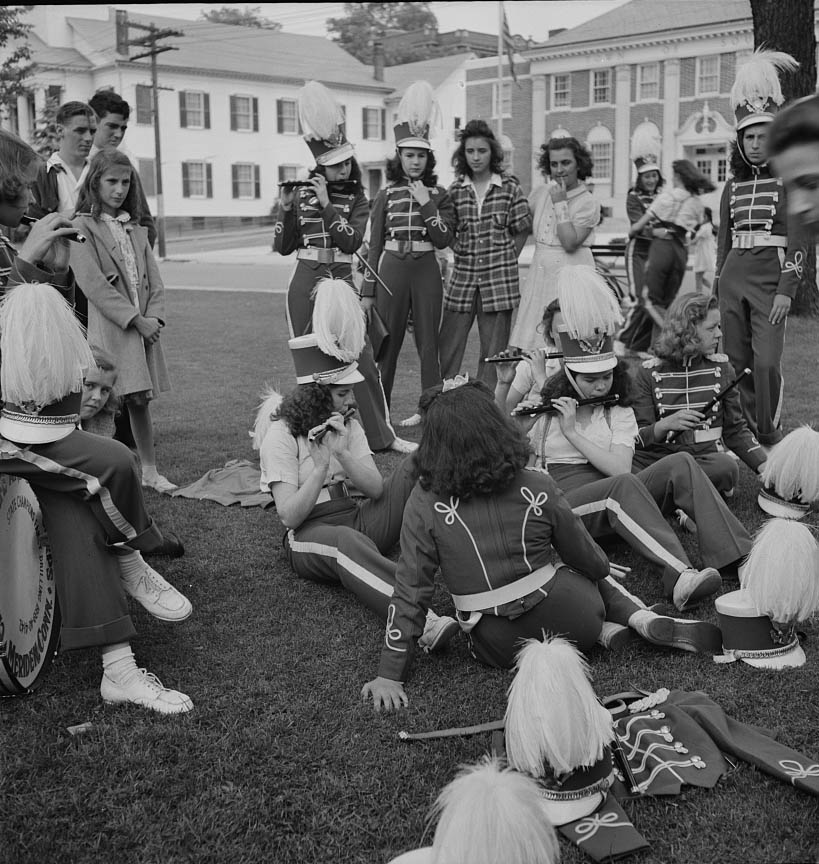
pixel 171 546
pixel 683 634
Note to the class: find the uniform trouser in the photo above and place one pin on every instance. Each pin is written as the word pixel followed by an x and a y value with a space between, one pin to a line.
pixel 415 284
pixel 720 468
pixel 344 542
pixel 636 332
pixel 574 608
pixel 664 274
pixel 369 394
pixel 493 335
pixel 636 257
pixel 747 287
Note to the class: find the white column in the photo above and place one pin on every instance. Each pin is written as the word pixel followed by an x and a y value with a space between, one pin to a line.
pixel 538 125
pixel 671 114
pixel 621 167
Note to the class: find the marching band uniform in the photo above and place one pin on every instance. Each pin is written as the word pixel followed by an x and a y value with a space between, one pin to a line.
pixel 403 238
pixel 760 254
pixel 663 387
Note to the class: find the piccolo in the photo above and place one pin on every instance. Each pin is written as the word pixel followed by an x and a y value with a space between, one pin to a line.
pixel 521 355
pixel 318 432
pixel 549 408
pixel 332 185
pixel 710 404
pixel 25 219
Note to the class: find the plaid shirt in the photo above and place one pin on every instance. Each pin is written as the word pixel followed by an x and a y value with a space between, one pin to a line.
pixel 485 260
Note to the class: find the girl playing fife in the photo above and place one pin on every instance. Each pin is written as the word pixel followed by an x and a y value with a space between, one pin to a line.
pixel 126 298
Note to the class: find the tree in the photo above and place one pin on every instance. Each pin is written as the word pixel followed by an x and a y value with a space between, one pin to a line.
pixel 15 68
pixel 787 25
pixel 45 138
pixel 247 17
pixel 354 32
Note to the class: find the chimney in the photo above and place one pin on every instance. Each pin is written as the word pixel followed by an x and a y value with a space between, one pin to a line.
pixel 378 57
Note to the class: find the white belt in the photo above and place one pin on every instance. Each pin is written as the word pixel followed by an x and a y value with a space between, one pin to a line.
pixel 712 434
pixel 506 593
pixel 750 239
pixel 324 256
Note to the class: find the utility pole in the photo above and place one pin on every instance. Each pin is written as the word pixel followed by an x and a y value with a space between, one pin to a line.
pixel 150 41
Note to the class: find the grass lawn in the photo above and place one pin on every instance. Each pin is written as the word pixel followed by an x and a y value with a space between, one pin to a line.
pixel 281 762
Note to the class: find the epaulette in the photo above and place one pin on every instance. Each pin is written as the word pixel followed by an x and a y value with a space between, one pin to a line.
pixel 717 357
pixel 651 362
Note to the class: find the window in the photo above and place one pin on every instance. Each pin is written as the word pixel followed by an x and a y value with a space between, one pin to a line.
pixel 144 105
pixel 561 91
pixel 506 105
pixel 194 109
pixel 704 167
pixel 197 180
pixel 600 146
pixel 373 122
pixel 601 87
pixel 245 180
pixel 722 170
pixel 707 75
pixel 147 175
pixel 648 82
pixel 54 93
pixel 287 119
pixel 288 172
pixel 244 114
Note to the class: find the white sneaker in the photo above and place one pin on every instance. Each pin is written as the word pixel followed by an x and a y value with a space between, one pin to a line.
pixel 415 420
pixel 680 633
pixel 159 483
pixel 438 630
pixel 693 586
pixel 159 597
pixel 399 445
pixel 144 689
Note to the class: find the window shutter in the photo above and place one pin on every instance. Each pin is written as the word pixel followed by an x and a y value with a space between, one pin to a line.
pixel 279 116
pixel 234 177
pixel 255 109
pixel 207 110
pixel 257 182
pixel 383 125
pixel 281 174
pixel 209 179
pixel 364 130
pixel 233 123
pixel 183 114
pixel 186 187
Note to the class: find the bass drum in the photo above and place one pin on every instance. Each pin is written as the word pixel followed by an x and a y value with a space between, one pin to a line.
pixel 29 612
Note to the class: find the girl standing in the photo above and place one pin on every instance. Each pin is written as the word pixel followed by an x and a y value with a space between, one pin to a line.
pixel 126 298
pixel 705 253
pixel 410 219
pixel 565 216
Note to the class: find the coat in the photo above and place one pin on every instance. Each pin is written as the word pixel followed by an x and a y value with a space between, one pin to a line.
pixel 102 276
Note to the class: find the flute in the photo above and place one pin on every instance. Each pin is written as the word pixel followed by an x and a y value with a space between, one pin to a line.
pixel 75 236
pixel 521 355
pixel 709 405
pixel 548 408
pixel 332 185
pixel 318 432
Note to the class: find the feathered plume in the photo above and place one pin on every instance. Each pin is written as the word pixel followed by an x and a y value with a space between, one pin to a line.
pixel 646 143
pixel 757 79
pixel 781 572
pixel 265 415
pixel 419 109
pixel 488 814
pixel 319 113
pixel 43 346
pixel 338 320
pixel 792 468
pixel 553 717
pixel 587 304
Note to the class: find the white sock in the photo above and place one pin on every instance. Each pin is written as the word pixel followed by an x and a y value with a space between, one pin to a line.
pixel 131 564
pixel 118 662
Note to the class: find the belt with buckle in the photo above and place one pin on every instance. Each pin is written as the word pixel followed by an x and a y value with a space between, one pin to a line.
pixel 751 239
pixel 324 256
pixel 404 246
pixel 332 492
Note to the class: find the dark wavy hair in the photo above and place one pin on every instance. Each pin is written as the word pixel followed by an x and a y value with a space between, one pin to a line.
pixel 305 407
pixel 638 183
pixel 694 181
pixel 108 102
pixel 581 155
pixel 559 385
pixel 477 129
pixel 355 172
pixel 16 161
pixel 796 124
pixel 545 326
pixel 395 172
pixel 468 447
pixel 89 202
pixel 678 338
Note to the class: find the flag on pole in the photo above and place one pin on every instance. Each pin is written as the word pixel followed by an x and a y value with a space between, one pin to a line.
pixel 508 45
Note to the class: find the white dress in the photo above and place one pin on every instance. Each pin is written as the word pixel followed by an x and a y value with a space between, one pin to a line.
pixel 540 287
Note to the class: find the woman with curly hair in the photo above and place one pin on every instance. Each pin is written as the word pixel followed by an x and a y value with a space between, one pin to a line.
pixel 342 518
pixel 589 451
pixel 409 220
pixel 565 216
pixel 492 223
pixel 673 389
pixel 514 557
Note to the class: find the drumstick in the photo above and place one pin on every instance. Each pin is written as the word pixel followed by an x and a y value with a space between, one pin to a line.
pixel 491 726
pixel 497 358
pixel 375 275
pixel 710 404
pixel 25 219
